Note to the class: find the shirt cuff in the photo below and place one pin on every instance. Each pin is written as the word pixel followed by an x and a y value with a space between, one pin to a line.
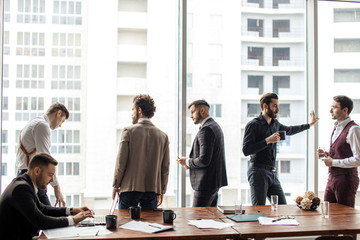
pixel 55 182
pixel 188 162
pixel 68 211
pixel 336 162
pixel 70 220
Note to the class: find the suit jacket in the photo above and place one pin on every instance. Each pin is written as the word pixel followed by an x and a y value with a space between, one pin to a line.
pixel 143 160
pixel 207 158
pixel 22 214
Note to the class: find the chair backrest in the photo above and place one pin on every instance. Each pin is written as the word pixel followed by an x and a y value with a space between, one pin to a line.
pixel 334 238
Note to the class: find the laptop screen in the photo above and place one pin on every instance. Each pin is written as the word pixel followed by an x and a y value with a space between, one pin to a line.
pixel 114 203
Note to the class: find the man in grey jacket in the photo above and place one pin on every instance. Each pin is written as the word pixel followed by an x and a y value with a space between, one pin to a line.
pixel 142 163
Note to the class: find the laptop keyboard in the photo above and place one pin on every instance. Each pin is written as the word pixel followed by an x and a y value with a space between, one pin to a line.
pixel 100 219
pixel 97 220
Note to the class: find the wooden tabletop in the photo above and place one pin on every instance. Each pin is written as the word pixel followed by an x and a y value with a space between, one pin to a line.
pixel 291 210
pixel 342 220
pixel 308 226
pixel 182 230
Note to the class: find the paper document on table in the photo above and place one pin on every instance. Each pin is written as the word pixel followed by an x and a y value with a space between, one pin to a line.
pixel 73 231
pixel 270 221
pixel 209 223
pixel 146 227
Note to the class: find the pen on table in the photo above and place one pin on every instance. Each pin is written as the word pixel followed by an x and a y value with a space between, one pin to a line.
pixel 154 226
pixel 97 232
pixel 276 220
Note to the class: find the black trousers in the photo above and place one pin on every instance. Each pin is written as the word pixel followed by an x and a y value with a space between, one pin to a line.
pixel 263 184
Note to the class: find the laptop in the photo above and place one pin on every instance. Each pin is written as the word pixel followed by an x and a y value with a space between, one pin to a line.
pixel 100 219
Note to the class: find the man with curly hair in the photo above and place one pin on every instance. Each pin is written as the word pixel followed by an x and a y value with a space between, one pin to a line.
pixel 142 163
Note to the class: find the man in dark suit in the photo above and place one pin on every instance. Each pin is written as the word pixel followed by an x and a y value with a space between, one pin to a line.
pixel 22 215
pixel 207 157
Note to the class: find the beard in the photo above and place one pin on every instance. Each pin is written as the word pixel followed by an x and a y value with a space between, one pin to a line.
pixel 40 184
pixel 270 113
pixel 197 119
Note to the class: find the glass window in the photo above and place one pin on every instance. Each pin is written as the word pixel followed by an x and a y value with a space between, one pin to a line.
pixel 256 53
pixel 256 82
pixel 92 82
pixel 280 54
pixel 69 170
pixel 356 109
pixel 4 169
pixel 215 110
pixel 256 25
pixel 284 166
pixel 280 26
pixel 284 110
pixel 253 110
pixel 76 169
pixel 338 72
pixel 346 15
pixel 280 82
pixel 68 200
pixel 189 80
pixel 76 200
pixel 60 169
pixel 346 45
pixel 346 75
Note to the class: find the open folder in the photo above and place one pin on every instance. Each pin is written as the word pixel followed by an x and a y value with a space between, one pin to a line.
pixel 245 217
pixel 146 227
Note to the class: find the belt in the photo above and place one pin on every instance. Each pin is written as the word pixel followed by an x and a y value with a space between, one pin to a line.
pixel 267 167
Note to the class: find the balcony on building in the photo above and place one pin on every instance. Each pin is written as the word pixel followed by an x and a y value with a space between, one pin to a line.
pixel 274 4
pixel 132 45
pixel 131 78
pixel 280 31
pixel 132 14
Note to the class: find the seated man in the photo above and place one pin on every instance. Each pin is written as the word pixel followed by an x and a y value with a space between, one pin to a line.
pixel 22 215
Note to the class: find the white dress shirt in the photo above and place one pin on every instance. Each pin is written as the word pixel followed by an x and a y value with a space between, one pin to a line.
pixel 36 134
pixel 353 139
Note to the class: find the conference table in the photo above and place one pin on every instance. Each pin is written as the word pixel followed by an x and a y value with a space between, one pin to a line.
pixel 342 220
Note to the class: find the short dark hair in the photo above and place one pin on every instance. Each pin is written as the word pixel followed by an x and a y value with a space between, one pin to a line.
pixel 56 107
pixel 345 102
pixel 41 160
pixel 266 98
pixel 199 103
pixel 146 103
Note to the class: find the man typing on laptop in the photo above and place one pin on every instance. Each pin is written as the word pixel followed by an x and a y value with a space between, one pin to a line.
pixel 22 215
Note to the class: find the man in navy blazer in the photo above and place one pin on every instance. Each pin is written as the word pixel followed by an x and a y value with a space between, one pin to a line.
pixel 207 157
pixel 22 215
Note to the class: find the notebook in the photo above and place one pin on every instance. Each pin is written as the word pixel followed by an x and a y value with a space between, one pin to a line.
pixel 226 209
pixel 100 219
